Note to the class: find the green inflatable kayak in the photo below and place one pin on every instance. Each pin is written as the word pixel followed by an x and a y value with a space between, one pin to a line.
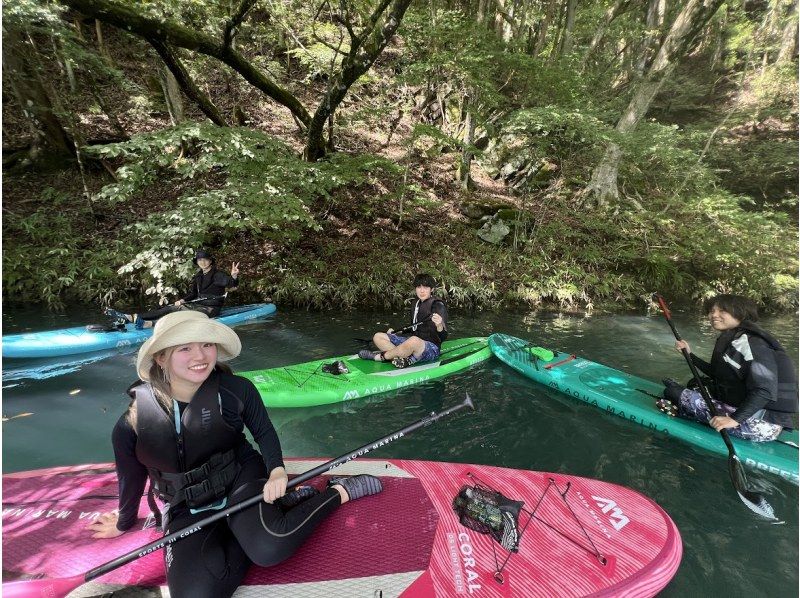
pixel 308 384
pixel 629 397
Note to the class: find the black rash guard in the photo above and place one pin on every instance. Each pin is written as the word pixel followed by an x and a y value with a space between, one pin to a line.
pixel 234 392
pixel 210 284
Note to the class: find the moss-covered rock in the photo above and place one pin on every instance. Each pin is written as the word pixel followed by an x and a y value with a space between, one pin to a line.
pixel 475 209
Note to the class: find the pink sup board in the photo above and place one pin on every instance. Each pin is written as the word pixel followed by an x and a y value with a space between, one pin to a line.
pixel 407 541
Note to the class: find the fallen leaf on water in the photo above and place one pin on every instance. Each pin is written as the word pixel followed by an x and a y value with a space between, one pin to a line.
pixel 6 418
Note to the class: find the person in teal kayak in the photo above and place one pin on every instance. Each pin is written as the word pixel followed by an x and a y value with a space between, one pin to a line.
pixel 429 320
pixel 206 293
pixel 752 380
pixel 184 430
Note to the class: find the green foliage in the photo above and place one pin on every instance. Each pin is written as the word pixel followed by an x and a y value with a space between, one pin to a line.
pixel 48 256
pixel 319 58
pixel 774 90
pixel 701 246
pixel 338 232
pixel 259 189
pixel 382 277
pixel 22 14
pixel 41 20
pixel 661 162
pixel 574 139
pixel 763 167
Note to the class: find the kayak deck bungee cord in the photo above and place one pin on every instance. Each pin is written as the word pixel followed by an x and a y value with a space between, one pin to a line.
pixel 578 536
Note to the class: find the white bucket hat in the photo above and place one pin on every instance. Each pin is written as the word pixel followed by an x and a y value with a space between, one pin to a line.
pixel 182 327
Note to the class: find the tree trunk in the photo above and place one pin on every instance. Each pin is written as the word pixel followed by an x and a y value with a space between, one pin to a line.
pixel 171 32
pixel 569 26
pixel 46 128
pixel 181 76
pixel 690 21
pixel 612 13
pixel 562 9
pixel 542 28
pixel 721 39
pixel 78 28
pixel 465 163
pixel 788 47
pixel 98 28
pixel 172 94
pixel 364 50
pixel 653 22
pixel 483 10
pixel 521 28
pixel 504 19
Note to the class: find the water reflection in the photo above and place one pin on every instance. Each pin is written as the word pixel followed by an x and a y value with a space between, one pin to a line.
pixel 516 424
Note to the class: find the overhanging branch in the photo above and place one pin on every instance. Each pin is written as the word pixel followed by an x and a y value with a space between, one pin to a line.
pixel 188 86
pixel 173 33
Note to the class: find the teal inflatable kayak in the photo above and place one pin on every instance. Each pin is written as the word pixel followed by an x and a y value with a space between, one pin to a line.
pixel 308 384
pixel 630 397
pixel 80 339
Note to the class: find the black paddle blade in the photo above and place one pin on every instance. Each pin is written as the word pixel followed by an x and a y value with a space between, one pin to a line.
pixel 753 500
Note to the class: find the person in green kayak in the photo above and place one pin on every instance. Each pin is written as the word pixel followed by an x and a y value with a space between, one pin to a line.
pixel 206 293
pixel 752 380
pixel 429 328
pixel 184 430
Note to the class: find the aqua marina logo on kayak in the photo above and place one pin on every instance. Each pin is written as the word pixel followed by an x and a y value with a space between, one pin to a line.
pixel 608 507
pixel 355 394
pixel 615 515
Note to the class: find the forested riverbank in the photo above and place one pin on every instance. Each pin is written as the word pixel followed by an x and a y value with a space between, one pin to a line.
pixel 531 152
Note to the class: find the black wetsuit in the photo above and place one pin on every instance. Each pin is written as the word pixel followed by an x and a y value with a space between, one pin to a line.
pixel 213 561
pixel 421 311
pixel 212 284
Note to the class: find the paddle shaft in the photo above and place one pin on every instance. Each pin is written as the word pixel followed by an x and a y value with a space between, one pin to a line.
pixel 254 500
pixel 206 298
pixel 702 387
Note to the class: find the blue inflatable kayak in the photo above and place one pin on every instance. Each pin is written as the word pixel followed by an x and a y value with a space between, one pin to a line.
pixel 71 341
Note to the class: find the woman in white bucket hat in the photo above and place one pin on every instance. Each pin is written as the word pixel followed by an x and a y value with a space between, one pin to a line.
pixel 184 430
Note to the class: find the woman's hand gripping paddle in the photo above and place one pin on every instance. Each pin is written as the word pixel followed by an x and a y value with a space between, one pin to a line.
pixel 57 588
pixel 754 501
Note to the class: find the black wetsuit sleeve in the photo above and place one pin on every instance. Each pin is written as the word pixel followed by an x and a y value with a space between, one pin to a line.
pixel 226 281
pixel 255 417
pixel 131 475
pixel 702 365
pixel 761 380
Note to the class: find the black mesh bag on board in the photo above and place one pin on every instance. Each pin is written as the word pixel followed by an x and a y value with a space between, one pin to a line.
pixel 488 512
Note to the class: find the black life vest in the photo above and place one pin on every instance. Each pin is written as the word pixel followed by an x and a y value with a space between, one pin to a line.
pixel 196 465
pixel 730 363
pixel 210 287
pixel 421 311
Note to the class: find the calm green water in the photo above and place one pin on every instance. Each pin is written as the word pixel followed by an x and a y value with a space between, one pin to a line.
pixel 727 549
